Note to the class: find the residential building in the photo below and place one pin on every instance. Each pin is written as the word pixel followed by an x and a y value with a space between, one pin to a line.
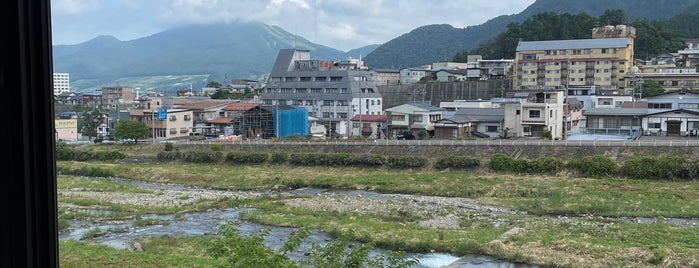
pixel 113 96
pixel 165 123
pixel 455 75
pixel 467 122
pixel 615 121
pixel 460 104
pixel 495 69
pixel 412 117
pixel 331 94
pixel 370 126
pixel 413 75
pixel 576 64
pixel 387 77
pixel 61 83
pixel 670 79
pixel 533 115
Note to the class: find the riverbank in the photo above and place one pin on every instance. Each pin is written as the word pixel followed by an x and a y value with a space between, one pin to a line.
pixel 543 220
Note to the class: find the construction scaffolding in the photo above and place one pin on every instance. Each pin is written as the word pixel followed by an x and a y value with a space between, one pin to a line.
pixel 254 123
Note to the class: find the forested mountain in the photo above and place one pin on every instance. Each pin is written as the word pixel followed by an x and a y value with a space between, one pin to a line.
pixel 404 51
pixel 651 37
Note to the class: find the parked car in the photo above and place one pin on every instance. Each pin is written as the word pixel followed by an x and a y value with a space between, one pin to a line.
pixel 405 135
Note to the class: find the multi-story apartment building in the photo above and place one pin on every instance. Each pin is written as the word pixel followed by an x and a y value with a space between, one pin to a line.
pixel 599 62
pixel 537 113
pixel 113 96
pixel 331 94
pixel 61 83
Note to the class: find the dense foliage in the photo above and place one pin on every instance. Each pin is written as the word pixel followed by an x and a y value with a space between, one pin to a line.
pixel 130 129
pixel 652 37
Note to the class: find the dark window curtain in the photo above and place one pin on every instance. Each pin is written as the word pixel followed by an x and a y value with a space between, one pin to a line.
pixel 28 234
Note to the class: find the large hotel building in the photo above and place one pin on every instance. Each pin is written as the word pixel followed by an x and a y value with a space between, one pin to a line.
pixel 593 64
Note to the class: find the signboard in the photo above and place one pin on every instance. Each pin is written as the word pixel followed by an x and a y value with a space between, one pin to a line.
pixel 162 114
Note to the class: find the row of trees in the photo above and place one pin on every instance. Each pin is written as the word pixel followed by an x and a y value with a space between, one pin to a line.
pixel 652 37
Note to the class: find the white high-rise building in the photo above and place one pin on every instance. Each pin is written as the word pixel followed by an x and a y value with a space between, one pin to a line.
pixel 61 83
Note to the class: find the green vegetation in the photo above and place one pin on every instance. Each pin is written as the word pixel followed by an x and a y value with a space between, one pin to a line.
pixel 130 129
pixel 572 219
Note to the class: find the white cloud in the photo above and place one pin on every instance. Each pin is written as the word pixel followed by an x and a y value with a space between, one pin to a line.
pixel 341 24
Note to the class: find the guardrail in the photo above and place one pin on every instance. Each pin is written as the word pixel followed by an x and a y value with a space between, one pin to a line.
pixel 647 143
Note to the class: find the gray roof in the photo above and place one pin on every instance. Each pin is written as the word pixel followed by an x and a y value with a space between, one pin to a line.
pixel 616 111
pixel 475 115
pixel 574 44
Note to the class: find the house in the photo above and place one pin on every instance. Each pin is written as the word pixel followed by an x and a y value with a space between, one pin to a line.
pixel 248 120
pixel 412 117
pixel 165 123
pixel 331 93
pixel 459 104
pixel 578 63
pixel 371 126
pixel 676 122
pixel 445 75
pixel 535 114
pixel 413 75
pixel 615 121
pixel 387 77
pixel 467 122
pixel 573 120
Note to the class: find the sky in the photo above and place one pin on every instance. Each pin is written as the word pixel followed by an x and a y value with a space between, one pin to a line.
pixel 340 24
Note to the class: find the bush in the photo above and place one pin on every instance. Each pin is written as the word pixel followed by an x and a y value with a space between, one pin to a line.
pixel 598 166
pixel 108 155
pixel 501 162
pixel 202 157
pixel 366 160
pixel 404 161
pixel 653 167
pixel 547 165
pixel 169 146
pixel 457 161
pixel 86 171
pixel 247 158
pixel 169 155
pixel 279 158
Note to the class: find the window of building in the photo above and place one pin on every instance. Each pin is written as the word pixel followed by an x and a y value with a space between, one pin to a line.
pixel 173 118
pixel 397 117
pixel 491 129
pixel 328 103
pixel 534 113
pixel 305 79
pixel 300 90
pixel 316 90
pixel 327 114
pixel 529 56
pixel 417 118
pixel 577 52
pixel 321 78
pixel 336 78
pixel 289 79
pixel 659 105
pixel 298 102
pixel 605 50
pixel 653 125
pixel 588 51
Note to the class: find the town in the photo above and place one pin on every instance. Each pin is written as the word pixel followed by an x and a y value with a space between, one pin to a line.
pixel 558 89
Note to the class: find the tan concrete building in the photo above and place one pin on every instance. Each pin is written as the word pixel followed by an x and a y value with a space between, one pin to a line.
pixel 597 63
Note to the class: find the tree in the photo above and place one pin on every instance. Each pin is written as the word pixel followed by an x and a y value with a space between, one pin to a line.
pixel 214 84
pixel 613 17
pixel 650 88
pixel 89 121
pixel 460 57
pixel 129 129
pixel 221 94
